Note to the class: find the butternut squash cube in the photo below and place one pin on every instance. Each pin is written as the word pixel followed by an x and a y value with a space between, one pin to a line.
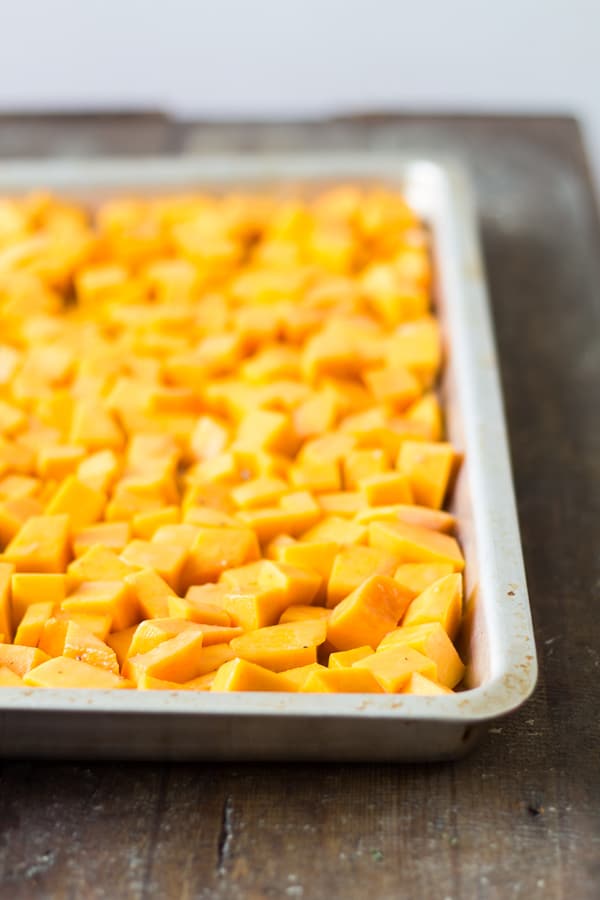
pixel 241 675
pixel 167 560
pixel 352 566
pixel 262 429
pixel 99 470
pixel 342 504
pixel 41 545
pixel 440 602
pixel 64 672
pixel 395 386
pixel 110 598
pixel 85 646
pixel 316 477
pixel 257 492
pixel 315 555
pixel 280 647
pixel 336 530
pixel 8 678
pixel 392 668
pixel 82 503
pixel 120 642
pixel 19 659
pixel 410 543
pixel 298 676
pixel 367 614
pixel 216 549
pixel 386 488
pixel 151 592
pixel 97 563
pixel 341 681
pixel 176 659
pixel 428 467
pixel 432 641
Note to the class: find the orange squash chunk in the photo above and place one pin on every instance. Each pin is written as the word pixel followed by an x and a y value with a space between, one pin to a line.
pixel 64 672
pixel 413 544
pixel 241 675
pixel 367 614
pixel 281 647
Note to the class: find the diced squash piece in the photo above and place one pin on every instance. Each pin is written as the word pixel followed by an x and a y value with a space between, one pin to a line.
pixel 257 492
pixel 112 535
pixel 8 678
pixel 98 625
pixel 303 613
pixel 98 563
pixel 417 346
pixel 367 614
pixel 428 467
pixel 58 461
pixel 167 560
pixel 152 593
pixel 340 531
pixel 316 415
pixel 344 658
pixel 52 637
pixel 396 386
pixel 296 513
pixel 319 478
pixel 30 628
pixel 21 659
pixel 440 602
pixel 411 543
pixel 40 545
pixel 392 668
pixel 175 659
pixel 64 672
pixel 199 612
pixel 216 549
pixel 415 577
pixel 315 555
pixel 423 687
pixel 152 632
pixel 345 504
pixel 94 427
pixel 82 503
pixel 212 658
pixel 6 627
pixel 263 429
pixel 28 589
pixel 111 598
pixel 281 647
pixel 85 646
pixel 209 438
pixel 241 675
pixel 341 681
pixel 410 514
pixel 99 469
pixel 206 593
pixel 352 566
pixel 432 641
pixel 386 488
pixel 427 411
pixel 332 447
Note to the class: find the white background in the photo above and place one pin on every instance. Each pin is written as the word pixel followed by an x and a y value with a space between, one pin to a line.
pixel 285 58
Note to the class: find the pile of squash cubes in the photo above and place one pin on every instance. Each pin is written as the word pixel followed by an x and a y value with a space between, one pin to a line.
pixel 222 460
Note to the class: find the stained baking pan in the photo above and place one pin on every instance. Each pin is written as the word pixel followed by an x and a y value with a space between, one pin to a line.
pixel 497 640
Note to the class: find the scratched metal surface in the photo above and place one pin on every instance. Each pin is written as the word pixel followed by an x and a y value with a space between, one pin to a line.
pixel 520 817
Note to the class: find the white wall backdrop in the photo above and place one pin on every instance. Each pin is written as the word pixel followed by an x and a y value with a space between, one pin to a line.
pixel 229 58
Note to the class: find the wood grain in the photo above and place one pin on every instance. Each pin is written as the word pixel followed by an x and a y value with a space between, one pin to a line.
pixel 520 817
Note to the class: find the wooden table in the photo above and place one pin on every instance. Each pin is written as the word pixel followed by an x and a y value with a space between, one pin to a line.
pixel 520 817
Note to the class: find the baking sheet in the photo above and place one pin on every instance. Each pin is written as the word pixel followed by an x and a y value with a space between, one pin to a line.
pixel 497 640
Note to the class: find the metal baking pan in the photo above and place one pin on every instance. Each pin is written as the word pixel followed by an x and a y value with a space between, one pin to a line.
pixel 497 639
